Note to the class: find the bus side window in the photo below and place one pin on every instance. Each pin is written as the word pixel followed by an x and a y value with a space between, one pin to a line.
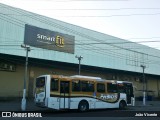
pixel 54 84
pixel 112 87
pixel 84 86
pixel 100 87
pixel 76 86
pixel 121 88
pixel 90 87
pixel 87 86
pixel 64 87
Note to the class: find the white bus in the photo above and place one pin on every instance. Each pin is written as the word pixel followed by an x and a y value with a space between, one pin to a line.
pixel 78 92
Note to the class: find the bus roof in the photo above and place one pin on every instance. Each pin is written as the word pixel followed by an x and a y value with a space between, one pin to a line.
pixel 89 77
pixel 118 81
pixel 80 77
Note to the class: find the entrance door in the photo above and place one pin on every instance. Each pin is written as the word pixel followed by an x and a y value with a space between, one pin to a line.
pixel 64 95
pixel 129 92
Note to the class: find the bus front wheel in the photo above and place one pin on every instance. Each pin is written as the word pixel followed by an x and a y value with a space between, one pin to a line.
pixel 83 106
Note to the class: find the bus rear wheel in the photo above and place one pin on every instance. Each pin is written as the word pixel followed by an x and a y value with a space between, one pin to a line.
pixel 83 106
pixel 122 105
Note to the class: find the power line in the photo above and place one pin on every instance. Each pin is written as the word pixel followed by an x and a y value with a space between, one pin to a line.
pixel 147 14
pixel 112 55
pixel 126 42
pixel 12 22
pixel 93 0
pixel 99 9
pixel 148 61
pixel 94 16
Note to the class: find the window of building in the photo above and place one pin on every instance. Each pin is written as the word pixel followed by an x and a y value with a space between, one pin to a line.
pixel 100 87
pixel 5 66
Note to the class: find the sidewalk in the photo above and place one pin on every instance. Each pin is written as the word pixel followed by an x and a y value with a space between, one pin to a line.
pixel 149 106
pixel 15 105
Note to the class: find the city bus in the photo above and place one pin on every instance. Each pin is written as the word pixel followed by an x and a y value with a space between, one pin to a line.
pixel 127 88
pixel 78 92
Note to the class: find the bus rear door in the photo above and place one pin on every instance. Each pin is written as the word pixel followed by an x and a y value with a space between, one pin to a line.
pixel 64 95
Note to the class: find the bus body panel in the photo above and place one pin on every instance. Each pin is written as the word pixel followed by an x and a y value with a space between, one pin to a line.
pixel 53 103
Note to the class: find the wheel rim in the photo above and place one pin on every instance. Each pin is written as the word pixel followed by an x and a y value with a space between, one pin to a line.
pixel 83 107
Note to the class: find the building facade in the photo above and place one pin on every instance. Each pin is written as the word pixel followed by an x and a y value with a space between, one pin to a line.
pixel 54 45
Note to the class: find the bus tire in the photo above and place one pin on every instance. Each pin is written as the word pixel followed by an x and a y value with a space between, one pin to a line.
pixel 83 106
pixel 122 105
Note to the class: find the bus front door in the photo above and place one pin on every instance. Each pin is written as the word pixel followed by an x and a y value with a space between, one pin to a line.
pixel 64 95
pixel 129 92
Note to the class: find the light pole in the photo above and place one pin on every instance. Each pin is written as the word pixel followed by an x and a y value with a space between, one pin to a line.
pixel 144 91
pixel 23 103
pixel 79 58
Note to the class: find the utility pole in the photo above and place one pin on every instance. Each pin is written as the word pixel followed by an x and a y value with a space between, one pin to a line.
pixel 23 103
pixel 79 58
pixel 144 89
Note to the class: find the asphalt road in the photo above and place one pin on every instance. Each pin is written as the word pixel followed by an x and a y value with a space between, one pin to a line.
pixel 138 112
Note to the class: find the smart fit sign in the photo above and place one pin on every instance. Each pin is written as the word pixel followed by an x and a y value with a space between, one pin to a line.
pixel 43 38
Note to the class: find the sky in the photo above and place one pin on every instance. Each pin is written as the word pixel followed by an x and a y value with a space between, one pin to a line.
pixel 133 20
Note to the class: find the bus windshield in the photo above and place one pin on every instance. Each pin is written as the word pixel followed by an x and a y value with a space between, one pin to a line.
pixel 40 82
